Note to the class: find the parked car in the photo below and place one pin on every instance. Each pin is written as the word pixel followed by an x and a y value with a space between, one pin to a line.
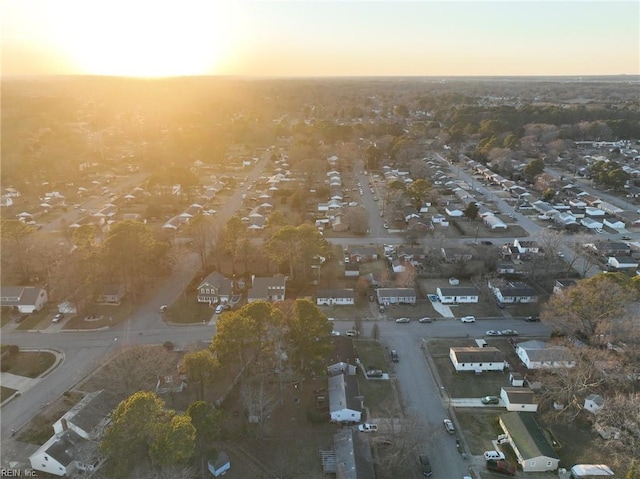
pixel 335 333
pixel 351 333
pixel 490 400
pixel 532 319
pixel 486 242
pixel 493 332
pixel 374 373
pixel 493 456
pixel 163 308
pixel 468 319
pixel 448 425
pixel 394 356
pixel 509 332
pixel 502 467
pixel 625 238
pixel 367 427
pixel 219 308
pixel 425 465
pixel 425 320
pixel 57 317
pixel 403 320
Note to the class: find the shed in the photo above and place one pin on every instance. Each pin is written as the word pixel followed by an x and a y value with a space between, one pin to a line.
pixel 220 465
pixel 593 403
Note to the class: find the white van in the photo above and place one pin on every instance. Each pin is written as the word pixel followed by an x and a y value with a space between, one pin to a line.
pixel 493 456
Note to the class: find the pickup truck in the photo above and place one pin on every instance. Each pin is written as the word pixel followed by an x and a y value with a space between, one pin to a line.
pixel 502 467
pixel 368 427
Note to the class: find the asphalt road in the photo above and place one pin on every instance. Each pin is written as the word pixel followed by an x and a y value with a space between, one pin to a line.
pixel 424 400
pixel 83 351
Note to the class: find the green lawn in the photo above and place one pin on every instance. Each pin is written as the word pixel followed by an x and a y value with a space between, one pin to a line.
pixel 187 310
pixel 6 393
pixel 27 363
pixel 33 320
pixel 378 395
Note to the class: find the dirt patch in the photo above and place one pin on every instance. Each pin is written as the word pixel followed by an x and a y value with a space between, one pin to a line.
pixel 40 428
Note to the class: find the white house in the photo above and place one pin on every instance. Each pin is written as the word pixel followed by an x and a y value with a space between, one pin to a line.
pixel 518 399
pixel 614 223
pixel 337 297
pixel 591 223
pixel 591 211
pixel 622 262
pixel 539 355
pixel 396 296
pixel 593 403
pixel 457 295
pixel 511 292
pixel 345 402
pixel 26 299
pixel 477 359
pixel 529 443
pixel 494 223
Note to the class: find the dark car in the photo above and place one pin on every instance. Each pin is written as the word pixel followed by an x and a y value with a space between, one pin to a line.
pixel 394 356
pixel 486 243
pixel 532 319
pixel 490 400
pixel 425 465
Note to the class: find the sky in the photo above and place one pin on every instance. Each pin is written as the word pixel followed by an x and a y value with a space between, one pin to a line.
pixel 151 38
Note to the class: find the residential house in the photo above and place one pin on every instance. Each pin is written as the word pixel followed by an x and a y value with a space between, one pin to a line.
pixel 452 255
pixel 539 355
pixel 335 297
pixel 519 399
pixel 343 358
pixel 454 211
pixel 622 262
pixel 477 359
pixel 221 464
pixel 25 299
pixel 267 289
pixel 512 292
pixel 351 456
pixel 593 403
pixel 398 265
pixel 457 295
pixel 525 246
pixel 562 284
pixel 74 444
pixel 396 296
pixel 345 402
pixel 591 211
pixel 493 222
pixel 613 223
pixel 412 252
pixel 215 288
pixel 111 294
pixel 505 268
pixel 352 270
pixel 363 253
pixel 172 382
pixel 529 442
pixel 591 223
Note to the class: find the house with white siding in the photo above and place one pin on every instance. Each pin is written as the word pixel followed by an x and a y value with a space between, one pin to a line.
pixel 519 399
pixel 396 296
pixel 477 359
pixel 345 402
pixel 529 442
pixel 335 297
pixel 457 295
pixel 25 299
pixel 539 355
pixel 512 292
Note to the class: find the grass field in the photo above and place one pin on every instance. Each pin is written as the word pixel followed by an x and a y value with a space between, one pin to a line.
pixel 27 363
pixel 6 393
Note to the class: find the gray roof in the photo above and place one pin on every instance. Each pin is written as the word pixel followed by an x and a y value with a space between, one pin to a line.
pixel 343 391
pixel 554 353
pixel 396 292
pixel 218 281
pixel 65 447
pixel 19 295
pixel 335 293
pixel 262 288
pixel 527 435
pixel 476 355
pixel 91 410
pixel 520 395
pixel 459 291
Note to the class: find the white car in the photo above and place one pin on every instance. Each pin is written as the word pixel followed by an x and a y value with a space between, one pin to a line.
pixel 335 333
pixel 493 456
pixel 351 332
pixel 493 332
pixel 425 320
pixel 219 308
pixel 509 332
pixel 448 425
pixel 468 319
pixel 367 427
pixel 403 320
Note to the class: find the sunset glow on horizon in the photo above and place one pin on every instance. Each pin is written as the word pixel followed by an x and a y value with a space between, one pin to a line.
pixel 320 38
